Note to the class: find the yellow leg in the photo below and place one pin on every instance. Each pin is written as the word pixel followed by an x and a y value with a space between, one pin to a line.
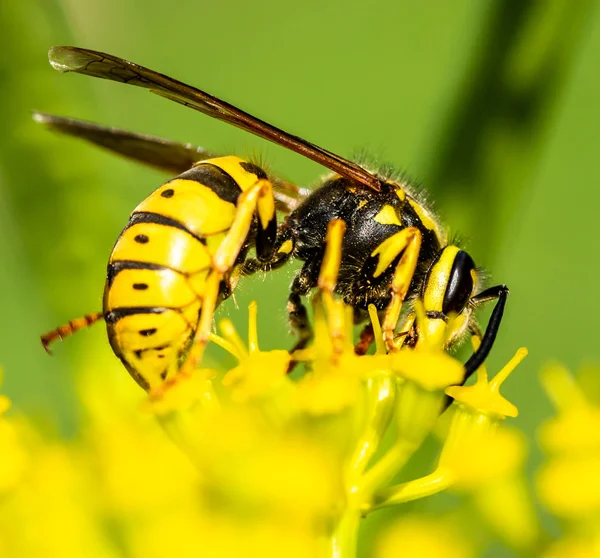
pixel 330 267
pixel 229 249
pixel 404 331
pixel 258 198
pixel 408 243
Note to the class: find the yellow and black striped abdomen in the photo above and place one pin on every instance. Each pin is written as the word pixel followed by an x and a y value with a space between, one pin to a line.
pixel 158 268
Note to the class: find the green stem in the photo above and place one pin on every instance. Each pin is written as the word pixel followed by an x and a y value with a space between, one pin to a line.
pixel 385 469
pixel 416 411
pixel 439 480
pixel 381 391
pixel 379 410
pixel 344 537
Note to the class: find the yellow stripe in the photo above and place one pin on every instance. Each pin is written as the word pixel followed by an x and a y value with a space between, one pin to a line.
pixel 266 204
pixel 232 166
pixel 387 216
pixel 172 333
pixel 286 247
pixel 438 280
pixel 427 219
pixel 169 326
pixel 397 189
pixel 166 246
pixel 165 288
pixel 388 251
pixel 193 205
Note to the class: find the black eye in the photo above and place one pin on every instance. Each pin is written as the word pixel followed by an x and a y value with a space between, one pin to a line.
pixel 460 284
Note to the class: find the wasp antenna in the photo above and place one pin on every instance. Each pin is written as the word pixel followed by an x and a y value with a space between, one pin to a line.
pixel 477 359
pixel 69 329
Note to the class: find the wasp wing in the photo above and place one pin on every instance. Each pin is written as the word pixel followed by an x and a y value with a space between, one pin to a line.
pixel 106 66
pixel 159 153
pixel 162 154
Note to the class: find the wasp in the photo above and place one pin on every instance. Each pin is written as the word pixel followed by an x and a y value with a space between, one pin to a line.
pixel 188 243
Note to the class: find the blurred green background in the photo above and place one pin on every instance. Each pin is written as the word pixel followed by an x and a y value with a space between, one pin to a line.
pixel 492 105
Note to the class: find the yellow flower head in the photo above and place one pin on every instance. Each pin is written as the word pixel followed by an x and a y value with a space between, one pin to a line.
pixel 259 373
pixel 576 428
pixel 335 374
pixel 415 535
pixel 484 396
pixel 4 401
pixel 182 393
pixel 569 484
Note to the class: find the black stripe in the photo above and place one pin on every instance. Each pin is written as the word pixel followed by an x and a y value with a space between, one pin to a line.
pixel 158 219
pixel 114 316
pixel 254 169
pixel 115 267
pixel 138 353
pixel 216 179
pixel 90 318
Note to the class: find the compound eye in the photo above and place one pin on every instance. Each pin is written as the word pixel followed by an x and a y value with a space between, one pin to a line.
pixel 460 284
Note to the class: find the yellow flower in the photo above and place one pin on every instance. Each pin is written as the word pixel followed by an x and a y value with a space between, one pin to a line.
pixel 247 461
pixel 13 458
pixel 333 382
pixel 259 373
pixel 419 536
pixel 569 484
pixel 470 446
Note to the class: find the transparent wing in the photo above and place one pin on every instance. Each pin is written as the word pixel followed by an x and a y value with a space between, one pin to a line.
pixel 162 154
pixel 106 66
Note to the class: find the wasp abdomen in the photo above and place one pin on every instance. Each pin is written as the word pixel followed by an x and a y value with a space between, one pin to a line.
pixel 158 268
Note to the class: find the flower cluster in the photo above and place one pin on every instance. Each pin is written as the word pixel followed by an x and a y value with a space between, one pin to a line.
pixel 250 462
pixel 246 462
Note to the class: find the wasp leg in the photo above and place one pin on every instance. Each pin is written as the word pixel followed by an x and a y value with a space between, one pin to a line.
pixel 281 252
pixel 321 272
pixel 254 200
pixel 408 243
pixel 69 329
pixel 367 336
pixel 303 282
pixel 253 265
pixel 475 330
pixel 250 267
pixel 328 275
pixel 405 335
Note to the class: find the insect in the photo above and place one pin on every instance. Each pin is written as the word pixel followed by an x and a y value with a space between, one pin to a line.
pixel 187 244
